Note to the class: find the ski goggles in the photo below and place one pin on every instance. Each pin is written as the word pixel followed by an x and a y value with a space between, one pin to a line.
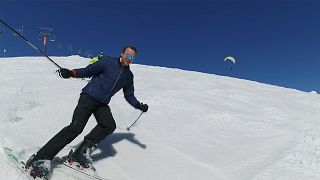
pixel 129 56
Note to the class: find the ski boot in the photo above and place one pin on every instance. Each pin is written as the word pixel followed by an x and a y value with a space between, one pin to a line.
pixel 38 167
pixel 81 156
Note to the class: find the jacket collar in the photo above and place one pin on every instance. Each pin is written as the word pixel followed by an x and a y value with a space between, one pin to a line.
pixel 120 64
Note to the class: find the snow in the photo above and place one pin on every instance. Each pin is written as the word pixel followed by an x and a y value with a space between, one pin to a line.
pixel 313 92
pixel 199 126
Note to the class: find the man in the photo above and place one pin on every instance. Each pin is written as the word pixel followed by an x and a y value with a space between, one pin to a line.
pixel 109 75
pixel 95 59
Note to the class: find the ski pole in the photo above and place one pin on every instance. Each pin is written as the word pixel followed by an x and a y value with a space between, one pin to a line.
pixel 30 43
pixel 128 128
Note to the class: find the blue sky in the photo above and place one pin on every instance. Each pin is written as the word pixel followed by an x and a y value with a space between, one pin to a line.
pixel 275 42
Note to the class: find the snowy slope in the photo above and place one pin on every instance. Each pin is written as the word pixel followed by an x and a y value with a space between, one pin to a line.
pixel 199 126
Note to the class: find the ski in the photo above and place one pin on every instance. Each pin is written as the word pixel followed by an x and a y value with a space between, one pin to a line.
pixel 88 173
pixel 92 176
pixel 20 165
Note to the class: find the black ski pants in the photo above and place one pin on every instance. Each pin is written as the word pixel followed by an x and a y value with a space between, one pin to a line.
pixel 86 106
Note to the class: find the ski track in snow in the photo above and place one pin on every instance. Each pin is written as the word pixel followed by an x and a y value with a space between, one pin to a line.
pixel 184 158
pixel 199 126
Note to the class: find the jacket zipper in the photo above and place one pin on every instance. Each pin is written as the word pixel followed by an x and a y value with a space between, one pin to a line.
pixel 113 84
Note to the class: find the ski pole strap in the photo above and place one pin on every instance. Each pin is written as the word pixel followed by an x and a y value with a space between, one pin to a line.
pixel 30 43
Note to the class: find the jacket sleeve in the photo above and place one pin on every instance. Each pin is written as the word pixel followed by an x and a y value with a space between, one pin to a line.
pixel 91 70
pixel 128 92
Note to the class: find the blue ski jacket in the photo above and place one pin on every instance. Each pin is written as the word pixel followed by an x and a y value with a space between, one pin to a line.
pixel 108 77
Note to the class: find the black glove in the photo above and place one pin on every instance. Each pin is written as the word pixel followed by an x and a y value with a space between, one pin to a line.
pixel 65 73
pixel 143 107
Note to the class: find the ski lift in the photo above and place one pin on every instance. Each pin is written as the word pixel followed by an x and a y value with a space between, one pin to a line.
pixel 70 48
pixel 53 38
pixel 46 32
pixel 88 54
pixel 20 31
pixel 79 51
pixel 59 45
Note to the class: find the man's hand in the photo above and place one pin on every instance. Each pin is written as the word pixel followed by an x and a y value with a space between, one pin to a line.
pixel 65 73
pixel 143 107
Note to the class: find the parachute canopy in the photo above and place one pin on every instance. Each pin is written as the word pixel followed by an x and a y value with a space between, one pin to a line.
pixel 230 58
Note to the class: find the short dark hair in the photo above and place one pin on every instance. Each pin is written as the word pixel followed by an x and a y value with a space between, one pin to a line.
pixel 129 46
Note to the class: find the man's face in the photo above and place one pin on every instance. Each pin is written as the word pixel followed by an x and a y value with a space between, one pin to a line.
pixel 127 56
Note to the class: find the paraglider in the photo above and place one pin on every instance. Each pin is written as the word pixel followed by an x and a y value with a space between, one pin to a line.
pixel 230 58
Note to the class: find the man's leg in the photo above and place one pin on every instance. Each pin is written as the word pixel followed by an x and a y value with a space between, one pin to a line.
pixel 86 106
pixel 106 125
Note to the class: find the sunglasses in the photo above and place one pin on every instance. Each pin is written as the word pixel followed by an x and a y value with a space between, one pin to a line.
pixel 129 56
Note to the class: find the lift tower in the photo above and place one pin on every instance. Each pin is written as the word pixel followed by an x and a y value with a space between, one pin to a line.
pixel 46 34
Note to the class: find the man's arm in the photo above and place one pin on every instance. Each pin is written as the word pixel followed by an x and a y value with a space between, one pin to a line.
pixel 128 92
pixel 90 70
pixel 87 72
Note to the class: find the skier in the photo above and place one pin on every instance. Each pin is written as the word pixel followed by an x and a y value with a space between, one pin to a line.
pixel 95 59
pixel 109 75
